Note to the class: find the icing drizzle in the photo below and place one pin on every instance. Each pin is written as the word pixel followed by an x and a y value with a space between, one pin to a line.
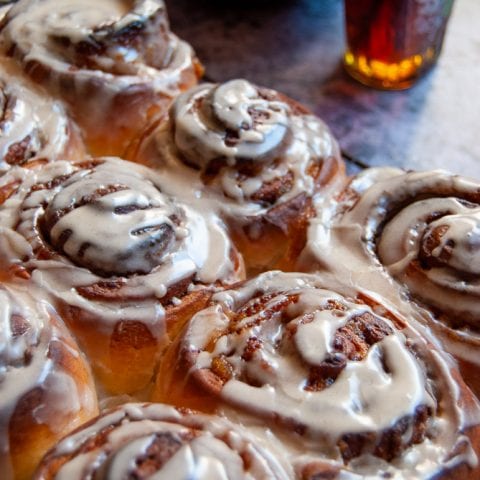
pixel 370 394
pixel 423 227
pixel 27 333
pixel 136 236
pixel 133 227
pixel 230 120
pixel 247 146
pixel 125 42
pixel 408 236
pixel 267 342
pixel 190 446
pixel 31 125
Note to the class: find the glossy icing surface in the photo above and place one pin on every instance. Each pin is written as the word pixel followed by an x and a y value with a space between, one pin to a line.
pixel 194 447
pixel 32 126
pixel 137 236
pixel 233 141
pixel 418 230
pixel 232 121
pixel 133 227
pixel 272 355
pixel 27 336
pixel 123 42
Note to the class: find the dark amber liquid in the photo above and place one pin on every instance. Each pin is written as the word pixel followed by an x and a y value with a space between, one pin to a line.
pixel 390 43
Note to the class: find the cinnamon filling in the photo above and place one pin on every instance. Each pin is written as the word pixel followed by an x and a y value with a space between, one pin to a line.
pixel 430 242
pixel 163 447
pixel 20 152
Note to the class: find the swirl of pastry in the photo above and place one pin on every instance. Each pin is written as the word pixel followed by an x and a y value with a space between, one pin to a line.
pixel 113 61
pixel 133 227
pixel 259 157
pixel 46 388
pixel 160 441
pixel 438 254
pixel 117 253
pixel 34 128
pixel 232 120
pixel 421 229
pixel 343 372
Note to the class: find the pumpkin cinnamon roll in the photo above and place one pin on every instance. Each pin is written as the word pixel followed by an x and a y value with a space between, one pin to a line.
pixel 259 157
pixel 335 372
pixel 126 264
pixel 159 441
pixel 34 128
pixel 116 63
pixel 418 232
pixel 46 388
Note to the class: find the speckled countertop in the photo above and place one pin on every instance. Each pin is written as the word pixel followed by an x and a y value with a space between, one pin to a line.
pixel 296 47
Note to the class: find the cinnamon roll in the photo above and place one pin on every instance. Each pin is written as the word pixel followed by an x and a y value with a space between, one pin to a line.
pixel 46 388
pixel 419 231
pixel 337 373
pixel 34 128
pixel 259 156
pixel 159 441
pixel 115 62
pixel 126 263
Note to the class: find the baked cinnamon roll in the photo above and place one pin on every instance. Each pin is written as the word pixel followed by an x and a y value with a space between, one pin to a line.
pixel 34 129
pixel 46 388
pixel 159 441
pixel 419 231
pixel 126 263
pixel 115 62
pixel 259 156
pixel 335 372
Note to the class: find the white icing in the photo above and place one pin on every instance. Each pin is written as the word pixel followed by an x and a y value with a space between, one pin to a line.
pixel 464 235
pixel 201 133
pixel 28 115
pixel 372 236
pixel 18 376
pixel 285 145
pixel 364 397
pixel 314 340
pixel 382 236
pixel 450 274
pixel 116 241
pixel 370 395
pixel 198 248
pixel 5 7
pixel 209 447
pixel 34 28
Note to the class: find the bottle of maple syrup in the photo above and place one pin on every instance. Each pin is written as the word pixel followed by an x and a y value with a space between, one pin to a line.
pixel 390 43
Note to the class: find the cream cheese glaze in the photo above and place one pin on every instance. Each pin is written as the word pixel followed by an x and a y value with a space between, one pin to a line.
pixel 271 356
pixel 29 331
pixel 418 230
pixel 59 35
pixel 115 63
pixel 189 446
pixel 411 237
pixel 32 126
pixel 233 123
pixel 74 226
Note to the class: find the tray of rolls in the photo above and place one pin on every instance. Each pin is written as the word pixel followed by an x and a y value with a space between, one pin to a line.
pixel 191 286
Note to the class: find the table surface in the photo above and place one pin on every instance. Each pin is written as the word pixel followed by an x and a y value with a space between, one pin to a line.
pixel 296 47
